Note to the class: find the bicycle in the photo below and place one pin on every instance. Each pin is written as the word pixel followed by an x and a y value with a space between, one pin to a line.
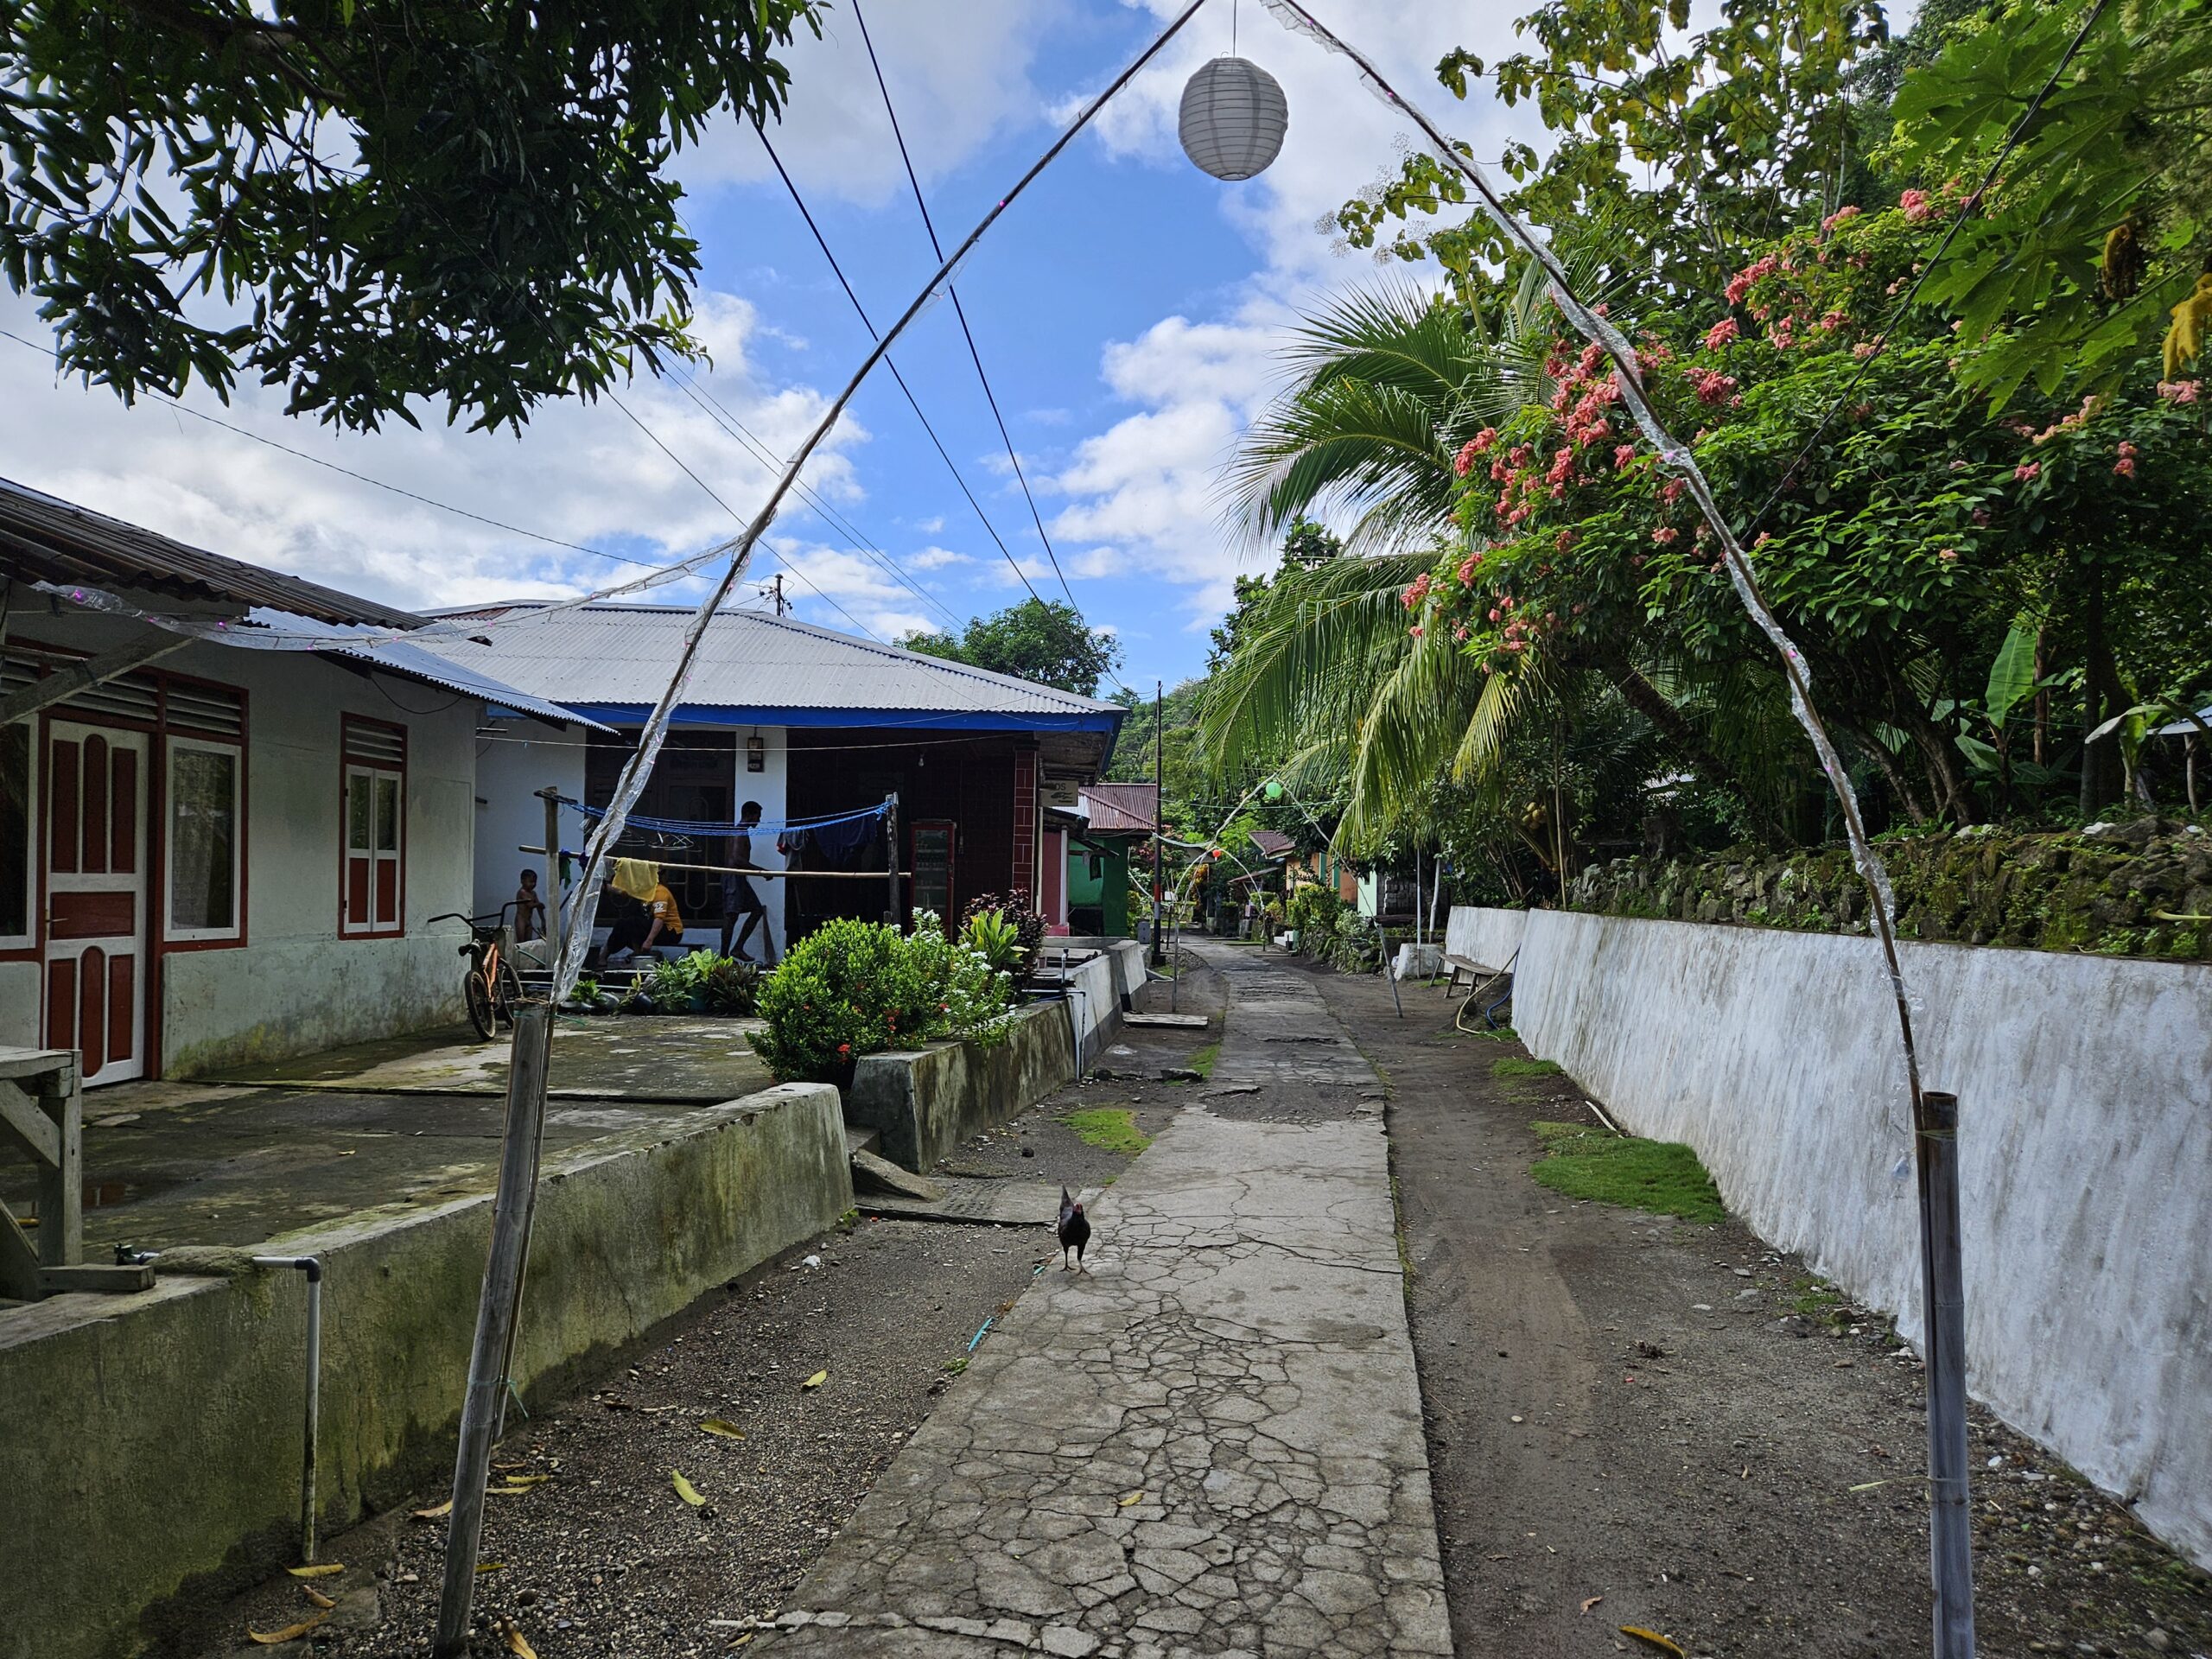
pixel 491 987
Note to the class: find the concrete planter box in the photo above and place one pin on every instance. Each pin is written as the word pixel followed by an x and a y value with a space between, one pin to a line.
pixel 151 1442
pixel 923 1102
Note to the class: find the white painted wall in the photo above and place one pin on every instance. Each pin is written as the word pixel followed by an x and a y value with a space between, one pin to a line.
pixel 297 987
pixel 2084 1087
pixel 515 758
pixel 293 986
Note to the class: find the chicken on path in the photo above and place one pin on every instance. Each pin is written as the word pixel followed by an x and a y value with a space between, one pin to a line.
pixel 1075 1231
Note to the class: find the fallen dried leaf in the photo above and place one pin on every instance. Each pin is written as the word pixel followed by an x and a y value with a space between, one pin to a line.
pixel 1590 1602
pixel 723 1426
pixel 1134 1498
pixel 528 1480
pixel 686 1490
pixel 435 1512
pixel 1654 1638
pixel 315 1597
pixel 518 1644
pixel 815 1381
pixel 289 1633
pixel 491 1567
pixel 320 1570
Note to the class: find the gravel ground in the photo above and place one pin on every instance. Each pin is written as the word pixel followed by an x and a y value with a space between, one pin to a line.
pixel 602 1556
pixel 1689 1425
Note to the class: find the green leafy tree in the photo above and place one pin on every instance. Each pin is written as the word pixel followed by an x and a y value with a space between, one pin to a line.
pixel 1041 640
pixel 368 202
pixel 2099 224
pixel 1696 144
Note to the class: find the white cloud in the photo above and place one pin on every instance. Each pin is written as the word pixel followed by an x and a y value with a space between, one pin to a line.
pixel 958 70
pixel 582 473
pixel 936 558
pixel 1147 487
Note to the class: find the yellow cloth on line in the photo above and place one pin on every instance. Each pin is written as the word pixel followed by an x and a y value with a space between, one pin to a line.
pixel 637 878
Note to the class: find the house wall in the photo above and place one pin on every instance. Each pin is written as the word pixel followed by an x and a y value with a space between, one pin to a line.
pixel 296 986
pixel 292 985
pixel 515 758
pixel 2085 1145
pixel 698 896
pixel 967 779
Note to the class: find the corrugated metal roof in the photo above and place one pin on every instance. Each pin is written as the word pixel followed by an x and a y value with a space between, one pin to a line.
pixel 409 661
pixel 609 658
pixel 52 540
pixel 1120 808
pixel 1273 844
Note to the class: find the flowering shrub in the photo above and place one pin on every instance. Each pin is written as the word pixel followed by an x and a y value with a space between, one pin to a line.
pixel 853 988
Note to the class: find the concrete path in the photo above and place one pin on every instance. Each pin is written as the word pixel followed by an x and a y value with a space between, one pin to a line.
pixel 1211 1444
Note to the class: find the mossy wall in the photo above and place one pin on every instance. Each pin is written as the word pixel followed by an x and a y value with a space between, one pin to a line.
pixel 150 1444
pixel 2136 889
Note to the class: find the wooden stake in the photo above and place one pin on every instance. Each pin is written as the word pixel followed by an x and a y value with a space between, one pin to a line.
pixel 1950 1530
pixel 495 1310
pixel 551 895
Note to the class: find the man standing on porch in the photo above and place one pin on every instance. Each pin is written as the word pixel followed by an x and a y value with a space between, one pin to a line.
pixel 738 897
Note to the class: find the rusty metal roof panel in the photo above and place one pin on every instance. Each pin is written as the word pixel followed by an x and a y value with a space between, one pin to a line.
pixel 47 539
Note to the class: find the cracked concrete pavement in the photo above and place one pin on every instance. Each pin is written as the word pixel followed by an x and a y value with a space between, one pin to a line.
pixel 1211 1444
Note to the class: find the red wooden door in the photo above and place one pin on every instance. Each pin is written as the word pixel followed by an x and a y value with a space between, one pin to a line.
pixel 96 898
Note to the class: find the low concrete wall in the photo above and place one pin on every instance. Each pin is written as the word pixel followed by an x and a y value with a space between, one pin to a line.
pixel 923 1102
pixel 151 1443
pixel 1100 985
pixel 2084 1087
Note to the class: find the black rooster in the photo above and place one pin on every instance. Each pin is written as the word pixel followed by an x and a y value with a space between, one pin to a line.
pixel 1075 1231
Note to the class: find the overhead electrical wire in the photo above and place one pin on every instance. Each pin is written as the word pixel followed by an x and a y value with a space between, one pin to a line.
pixel 822 242
pixel 363 478
pixel 952 291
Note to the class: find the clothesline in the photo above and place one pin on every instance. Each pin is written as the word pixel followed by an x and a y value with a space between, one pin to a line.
pixel 700 827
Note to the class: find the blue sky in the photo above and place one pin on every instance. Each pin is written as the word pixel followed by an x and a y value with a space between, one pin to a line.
pixel 1129 310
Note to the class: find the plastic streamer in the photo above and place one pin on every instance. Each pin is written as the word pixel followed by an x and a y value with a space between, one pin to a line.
pixel 701 827
pixel 639 766
pixel 1675 456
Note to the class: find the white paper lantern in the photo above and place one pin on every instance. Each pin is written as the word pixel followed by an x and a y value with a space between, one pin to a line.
pixel 1233 117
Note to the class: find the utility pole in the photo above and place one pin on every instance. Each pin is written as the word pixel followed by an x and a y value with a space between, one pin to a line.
pixel 1159 806
pixel 551 797
pixel 776 585
pixel 1942 1296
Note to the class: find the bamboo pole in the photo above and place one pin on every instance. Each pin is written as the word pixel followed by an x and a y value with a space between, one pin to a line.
pixel 481 1406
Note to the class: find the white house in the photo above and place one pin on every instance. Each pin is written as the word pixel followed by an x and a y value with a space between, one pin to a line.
pixel 216 854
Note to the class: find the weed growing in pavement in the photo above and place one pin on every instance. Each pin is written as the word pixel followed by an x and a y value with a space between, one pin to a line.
pixel 1514 1066
pixel 1663 1176
pixel 1502 1034
pixel 1202 1061
pixel 1819 1299
pixel 1110 1128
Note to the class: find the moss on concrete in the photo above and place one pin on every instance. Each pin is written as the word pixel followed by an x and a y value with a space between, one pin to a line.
pixel 2134 889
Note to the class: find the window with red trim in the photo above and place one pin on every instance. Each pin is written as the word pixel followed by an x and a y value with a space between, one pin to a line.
pixel 374 821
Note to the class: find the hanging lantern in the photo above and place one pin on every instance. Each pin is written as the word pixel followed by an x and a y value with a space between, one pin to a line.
pixel 1233 119
pixel 1273 790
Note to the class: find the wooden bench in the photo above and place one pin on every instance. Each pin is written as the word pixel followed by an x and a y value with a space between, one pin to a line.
pixel 1474 970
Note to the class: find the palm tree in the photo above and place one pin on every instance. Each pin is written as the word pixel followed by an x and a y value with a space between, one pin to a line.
pixel 1387 384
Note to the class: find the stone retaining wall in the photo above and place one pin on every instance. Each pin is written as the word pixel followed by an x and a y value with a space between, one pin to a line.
pixel 151 1444
pixel 2085 1145
pixel 2102 890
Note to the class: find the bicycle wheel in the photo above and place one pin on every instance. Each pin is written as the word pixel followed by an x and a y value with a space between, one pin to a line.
pixel 510 990
pixel 481 1014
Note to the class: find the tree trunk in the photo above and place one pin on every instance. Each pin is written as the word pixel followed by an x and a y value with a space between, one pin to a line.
pixel 2101 698
pixel 1887 766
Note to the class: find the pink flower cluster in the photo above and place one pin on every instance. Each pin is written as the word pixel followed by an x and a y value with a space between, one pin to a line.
pixel 1720 333
pixel 1918 205
pixel 1468 567
pixel 1758 270
pixel 1464 462
pixel 2179 391
pixel 2027 471
pixel 1714 387
pixel 1416 591
pixel 2125 465
pixel 1841 215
